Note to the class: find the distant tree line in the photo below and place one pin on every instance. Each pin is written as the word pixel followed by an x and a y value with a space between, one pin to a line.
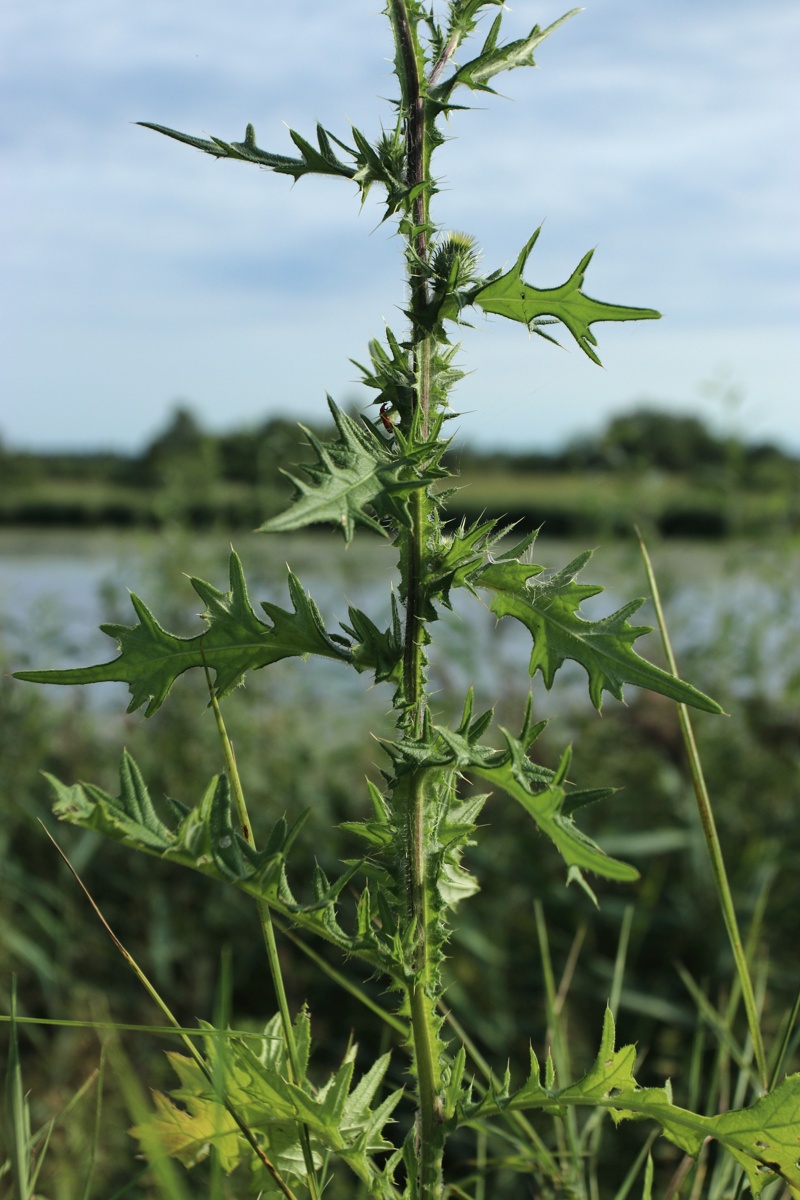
pixel 183 448
pixel 649 439
pixel 646 439
pixel 696 482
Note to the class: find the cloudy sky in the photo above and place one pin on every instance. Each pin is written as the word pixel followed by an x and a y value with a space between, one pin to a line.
pixel 138 272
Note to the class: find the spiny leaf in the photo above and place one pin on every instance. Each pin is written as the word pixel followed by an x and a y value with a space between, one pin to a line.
pixel 456 555
pixel 516 777
pixel 509 296
pixel 459 821
pixel 374 650
pixel 604 648
pixel 464 15
pixel 355 481
pixel 320 161
pixel 187 1128
pixel 384 164
pixel 764 1138
pixel 236 641
pixel 540 791
pixel 205 838
pixel 338 1116
pixel 391 374
pixel 494 59
pixel 130 817
pixel 611 1071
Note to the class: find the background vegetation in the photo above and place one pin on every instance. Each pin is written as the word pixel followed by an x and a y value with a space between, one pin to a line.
pixel 179 928
pixel 670 473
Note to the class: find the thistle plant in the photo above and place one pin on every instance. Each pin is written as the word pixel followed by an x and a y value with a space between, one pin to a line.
pixel 254 1106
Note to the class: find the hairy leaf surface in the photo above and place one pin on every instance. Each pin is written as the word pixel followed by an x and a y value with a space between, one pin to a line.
pixel 378 651
pixel 235 641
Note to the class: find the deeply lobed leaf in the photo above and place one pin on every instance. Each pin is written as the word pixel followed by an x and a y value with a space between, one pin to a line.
pixel 510 296
pixel 549 609
pixel 235 641
pixel 206 838
pixel 313 161
pixel 543 795
pixel 338 1116
pixel 355 481
pixel 444 754
pixel 494 59
pixel 202 837
pixel 764 1138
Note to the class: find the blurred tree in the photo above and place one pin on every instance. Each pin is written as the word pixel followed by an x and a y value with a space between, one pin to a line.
pixel 183 464
pixel 183 451
pixel 256 455
pixel 669 442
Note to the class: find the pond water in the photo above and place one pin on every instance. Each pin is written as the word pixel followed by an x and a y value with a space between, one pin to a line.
pixel 733 605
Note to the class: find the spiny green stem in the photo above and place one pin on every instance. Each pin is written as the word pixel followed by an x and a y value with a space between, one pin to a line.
pixel 421 1005
pixel 414 101
pixel 709 827
pixel 413 661
pixel 426 1056
pixel 268 932
pixel 430 1130
pixel 417 163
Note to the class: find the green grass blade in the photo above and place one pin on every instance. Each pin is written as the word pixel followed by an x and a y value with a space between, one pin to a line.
pixel 718 1022
pixel 643 1156
pixel 783 1052
pixel 125 1027
pixel 711 836
pixel 167 1177
pixel 268 932
pixel 394 1022
pixel 17 1114
pixel 98 1109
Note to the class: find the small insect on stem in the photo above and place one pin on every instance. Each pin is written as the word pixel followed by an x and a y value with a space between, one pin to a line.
pixel 386 419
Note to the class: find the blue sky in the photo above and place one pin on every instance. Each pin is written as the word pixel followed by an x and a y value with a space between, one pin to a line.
pixel 138 272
